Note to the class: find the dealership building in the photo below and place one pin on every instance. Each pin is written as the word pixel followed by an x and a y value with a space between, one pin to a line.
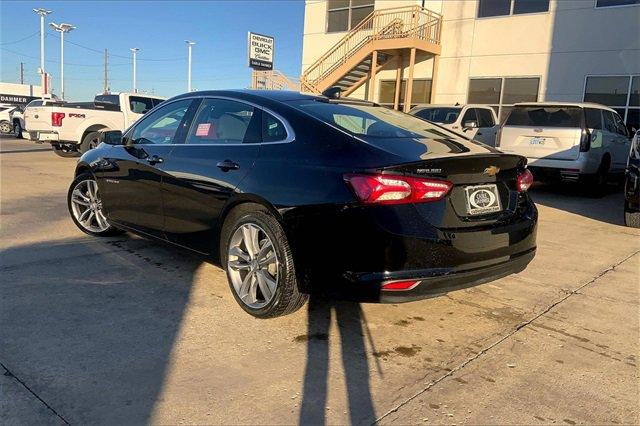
pixel 498 52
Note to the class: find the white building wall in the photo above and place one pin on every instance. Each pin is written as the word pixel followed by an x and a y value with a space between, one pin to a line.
pixel 562 46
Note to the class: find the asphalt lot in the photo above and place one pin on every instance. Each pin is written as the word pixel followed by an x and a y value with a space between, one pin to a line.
pixel 125 330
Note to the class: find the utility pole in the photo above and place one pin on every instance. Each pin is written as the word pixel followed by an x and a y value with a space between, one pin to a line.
pixel 106 71
pixel 21 72
pixel 135 51
pixel 62 28
pixel 189 46
pixel 42 13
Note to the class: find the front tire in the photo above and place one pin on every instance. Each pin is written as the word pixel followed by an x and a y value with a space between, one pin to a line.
pixel 85 207
pixel 256 255
pixel 631 218
pixel 5 127
pixel 17 129
pixel 90 141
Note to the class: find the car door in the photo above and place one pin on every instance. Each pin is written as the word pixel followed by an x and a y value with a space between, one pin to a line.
pixel 130 176
pixel 622 143
pixel 487 126
pixel 469 115
pixel 203 173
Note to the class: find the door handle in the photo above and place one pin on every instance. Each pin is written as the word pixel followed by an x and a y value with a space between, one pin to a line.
pixel 154 159
pixel 227 165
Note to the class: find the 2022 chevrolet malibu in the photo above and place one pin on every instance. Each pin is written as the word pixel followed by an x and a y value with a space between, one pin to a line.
pixel 294 192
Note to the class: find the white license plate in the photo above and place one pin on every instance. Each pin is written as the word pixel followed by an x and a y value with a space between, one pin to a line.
pixel 536 140
pixel 482 199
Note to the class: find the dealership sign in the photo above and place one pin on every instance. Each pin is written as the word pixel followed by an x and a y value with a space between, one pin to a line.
pixel 260 51
pixel 15 99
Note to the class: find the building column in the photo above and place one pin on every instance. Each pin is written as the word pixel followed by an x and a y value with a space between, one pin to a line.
pixel 434 78
pixel 407 95
pixel 396 97
pixel 372 78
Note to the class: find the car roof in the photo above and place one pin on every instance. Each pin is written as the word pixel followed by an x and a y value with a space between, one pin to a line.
pixel 247 94
pixel 451 105
pixel 570 104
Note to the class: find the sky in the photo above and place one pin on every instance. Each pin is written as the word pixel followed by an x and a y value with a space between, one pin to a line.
pixel 159 29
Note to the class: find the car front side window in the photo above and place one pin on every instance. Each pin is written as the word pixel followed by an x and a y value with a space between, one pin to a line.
pixel 162 125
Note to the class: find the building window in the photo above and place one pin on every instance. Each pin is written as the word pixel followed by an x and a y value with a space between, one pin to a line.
pixel 613 3
pixel 487 8
pixel 502 93
pixel 621 93
pixel 342 15
pixel 421 93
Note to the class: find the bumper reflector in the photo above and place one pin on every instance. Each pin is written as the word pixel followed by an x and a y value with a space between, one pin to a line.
pixel 400 285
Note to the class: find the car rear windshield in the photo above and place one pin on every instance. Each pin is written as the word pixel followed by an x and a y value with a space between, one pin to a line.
pixel 547 116
pixel 439 115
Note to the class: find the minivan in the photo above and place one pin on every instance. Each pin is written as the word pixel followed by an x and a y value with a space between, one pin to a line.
pixel 579 142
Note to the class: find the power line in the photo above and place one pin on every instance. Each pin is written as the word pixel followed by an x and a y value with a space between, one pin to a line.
pixel 21 40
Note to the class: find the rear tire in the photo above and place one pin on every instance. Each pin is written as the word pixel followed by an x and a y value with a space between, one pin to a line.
pixel 597 184
pixel 90 141
pixel 631 218
pixel 5 127
pixel 65 151
pixel 17 129
pixel 285 297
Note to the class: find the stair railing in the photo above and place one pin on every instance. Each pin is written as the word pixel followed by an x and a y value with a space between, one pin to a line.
pixel 273 80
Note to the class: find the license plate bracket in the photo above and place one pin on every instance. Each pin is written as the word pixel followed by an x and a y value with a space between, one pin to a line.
pixel 482 199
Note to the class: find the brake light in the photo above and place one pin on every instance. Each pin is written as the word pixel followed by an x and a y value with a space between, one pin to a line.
pixel 524 180
pixel 585 141
pixel 393 189
pixel 56 119
pixel 400 285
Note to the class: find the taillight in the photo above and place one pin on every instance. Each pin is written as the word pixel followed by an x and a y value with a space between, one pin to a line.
pixel 56 119
pixel 393 189
pixel 400 285
pixel 524 180
pixel 585 141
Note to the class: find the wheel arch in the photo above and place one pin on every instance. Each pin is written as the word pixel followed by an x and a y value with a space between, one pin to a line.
pixel 247 201
pixel 82 168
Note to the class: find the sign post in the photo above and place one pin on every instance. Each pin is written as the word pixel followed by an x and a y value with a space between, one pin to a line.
pixel 260 51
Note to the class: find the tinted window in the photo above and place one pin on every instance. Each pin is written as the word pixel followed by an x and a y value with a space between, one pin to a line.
pixel 161 126
pixel 609 123
pixel 609 3
pixel 343 15
pixel 140 105
pixel 593 118
pixel 530 6
pixel 469 115
pixel 610 91
pixel 35 104
pixel 107 99
pixel 634 97
pixel 520 90
pixel 485 118
pixel 484 91
pixel 493 8
pixel 633 120
pixel 439 115
pixel 550 116
pixel 273 130
pixel 619 124
pixel 421 93
pixel 220 121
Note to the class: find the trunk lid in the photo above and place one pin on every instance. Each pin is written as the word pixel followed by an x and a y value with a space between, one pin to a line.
pixel 467 172
pixel 38 118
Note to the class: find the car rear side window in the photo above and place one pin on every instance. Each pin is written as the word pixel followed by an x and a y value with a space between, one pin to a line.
pixel 273 130
pixel 593 117
pixel 545 116
pixel 439 115
pixel 485 118
pixel 225 122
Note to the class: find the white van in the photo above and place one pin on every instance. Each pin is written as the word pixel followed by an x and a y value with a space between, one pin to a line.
pixel 478 122
pixel 570 141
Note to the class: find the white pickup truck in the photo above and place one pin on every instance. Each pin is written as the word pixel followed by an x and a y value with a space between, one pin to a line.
pixel 74 128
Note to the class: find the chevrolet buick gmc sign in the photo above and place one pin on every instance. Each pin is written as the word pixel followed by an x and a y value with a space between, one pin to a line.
pixel 260 51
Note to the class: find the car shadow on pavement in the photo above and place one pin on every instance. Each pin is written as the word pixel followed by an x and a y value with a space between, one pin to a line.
pixel 571 198
pixel 352 329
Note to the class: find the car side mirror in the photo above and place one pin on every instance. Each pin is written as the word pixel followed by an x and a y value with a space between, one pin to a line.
pixel 112 137
pixel 470 125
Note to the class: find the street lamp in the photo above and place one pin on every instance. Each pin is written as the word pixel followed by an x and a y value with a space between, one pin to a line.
pixel 42 13
pixel 135 51
pixel 189 46
pixel 62 28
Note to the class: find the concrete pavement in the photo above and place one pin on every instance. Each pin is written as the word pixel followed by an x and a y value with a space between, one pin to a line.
pixel 126 330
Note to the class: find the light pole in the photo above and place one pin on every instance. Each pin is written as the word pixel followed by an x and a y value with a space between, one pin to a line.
pixel 62 28
pixel 135 51
pixel 189 46
pixel 42 13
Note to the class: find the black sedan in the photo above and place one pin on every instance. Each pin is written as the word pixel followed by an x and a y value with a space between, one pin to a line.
pixel 632 184
pixel 293 193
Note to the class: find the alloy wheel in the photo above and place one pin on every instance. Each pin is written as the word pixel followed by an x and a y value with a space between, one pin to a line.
pixel 253 265
pixel 5 127
pixel 87 207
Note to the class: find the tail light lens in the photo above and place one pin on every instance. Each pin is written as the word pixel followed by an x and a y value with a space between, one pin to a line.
pixel 524 180
pixel 399 285
pixel 585 141
pixel 393 189
pixel 56 119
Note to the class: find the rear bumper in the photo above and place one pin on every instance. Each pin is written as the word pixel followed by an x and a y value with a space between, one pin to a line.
pixel 44 136
pixel 565 169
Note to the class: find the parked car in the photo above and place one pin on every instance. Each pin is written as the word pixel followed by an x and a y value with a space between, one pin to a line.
pixel 632 185
pixel 35 105
pixel 17 120
pixel 478 122
pixel 577 142
pixel 73 128
pixel 5 118
pixel 292 192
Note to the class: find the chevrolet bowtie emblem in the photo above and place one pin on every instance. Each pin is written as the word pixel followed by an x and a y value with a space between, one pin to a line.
pixel 492 170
